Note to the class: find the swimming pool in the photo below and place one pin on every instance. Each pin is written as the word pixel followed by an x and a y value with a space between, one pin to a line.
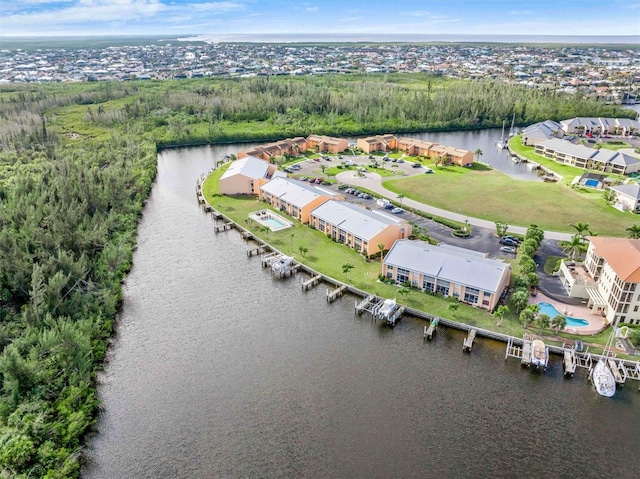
pixel 271 220
pixel 551 311
pixel 274 223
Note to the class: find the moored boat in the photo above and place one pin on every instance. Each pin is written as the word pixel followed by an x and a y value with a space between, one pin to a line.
pixel 603 380
pixel 387 308
pixel 539 354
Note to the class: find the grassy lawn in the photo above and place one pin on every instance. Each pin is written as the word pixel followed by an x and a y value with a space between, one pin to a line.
pixel 328 257
pixel 488 194
pixel 615 145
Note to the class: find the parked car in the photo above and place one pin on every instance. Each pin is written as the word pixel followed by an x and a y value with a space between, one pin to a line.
pixel 512 238
pixel 343 187
pixel 508 249
pixel 400 160
pixel 316 159
pixel 348 163
pixel 508 242
pixel 367 197
pixel 397 211
pixel 416 165
pixel 288 170
pixel 386 158
pixel 295 167
pixel 389 206
pixel 428 170
pixel 319 180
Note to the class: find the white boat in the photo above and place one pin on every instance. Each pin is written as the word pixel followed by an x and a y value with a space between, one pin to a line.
pixel 281 264
pixel 387 308
pixel 603 380
pixel 512 131
pixel 503 142
pixel 539 354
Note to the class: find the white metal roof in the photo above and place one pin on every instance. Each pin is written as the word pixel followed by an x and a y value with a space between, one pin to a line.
pixel 356 220
pixel 249 166
pixel 296 193
pixel 454 265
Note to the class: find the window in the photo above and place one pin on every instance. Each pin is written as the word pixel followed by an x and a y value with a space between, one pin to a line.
pixel 402 276
pixel 471 295
pixel 428 283
pixel 443 288
pixel 321 225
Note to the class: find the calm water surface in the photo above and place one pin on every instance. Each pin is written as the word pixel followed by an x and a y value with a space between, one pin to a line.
pixel 218 370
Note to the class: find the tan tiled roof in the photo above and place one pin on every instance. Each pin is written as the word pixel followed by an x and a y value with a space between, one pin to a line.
pixel 622 254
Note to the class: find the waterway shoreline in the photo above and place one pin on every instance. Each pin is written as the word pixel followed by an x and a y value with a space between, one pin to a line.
pixel 416 313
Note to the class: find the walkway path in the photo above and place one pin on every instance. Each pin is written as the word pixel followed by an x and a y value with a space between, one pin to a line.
pixel 373 182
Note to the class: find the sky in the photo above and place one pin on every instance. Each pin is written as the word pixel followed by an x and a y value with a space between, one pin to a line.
pixel 193 17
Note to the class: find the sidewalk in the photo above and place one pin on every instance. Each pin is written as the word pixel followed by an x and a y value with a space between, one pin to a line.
pixel 373 182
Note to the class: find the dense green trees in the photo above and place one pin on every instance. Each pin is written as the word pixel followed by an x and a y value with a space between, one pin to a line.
pixel 77 162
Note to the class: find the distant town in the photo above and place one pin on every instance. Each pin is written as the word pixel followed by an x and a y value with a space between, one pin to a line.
pixel 609 73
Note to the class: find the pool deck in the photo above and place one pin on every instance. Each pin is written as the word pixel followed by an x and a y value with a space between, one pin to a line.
pixel 596 322
pixel 263 215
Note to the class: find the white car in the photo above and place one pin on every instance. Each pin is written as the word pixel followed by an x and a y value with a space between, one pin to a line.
pixel 397 211
pixel 508 249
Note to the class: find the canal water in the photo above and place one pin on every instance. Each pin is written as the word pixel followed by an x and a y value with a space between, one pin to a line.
pixel 218 370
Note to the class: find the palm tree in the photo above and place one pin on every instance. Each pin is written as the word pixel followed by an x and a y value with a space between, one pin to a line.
pixel 381 248
pixel 477 154
pixel 500 312
pixel 346 268
pixel 526 316
pixel 291 236
pixel 400 198
pixel 303 250
pixel 558 322
pixel 543 321
pixel 573 247
pixel 582 230
pixel 453 307
pixel 634 231
pixel 404 292
pixel 519 299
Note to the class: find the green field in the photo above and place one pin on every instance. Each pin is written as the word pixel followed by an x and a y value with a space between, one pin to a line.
pixel 484 193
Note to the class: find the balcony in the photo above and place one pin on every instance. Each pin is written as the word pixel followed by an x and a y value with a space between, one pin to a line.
pixel 575 278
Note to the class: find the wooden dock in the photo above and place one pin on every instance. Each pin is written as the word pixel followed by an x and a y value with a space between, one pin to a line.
pixel 336 293
pixel 311 282
pixel 268 258
pixel 569 363
pixel 395 316
pixel 619 373
pixel 223 227
pixel 246 235
pixel 431 329
pixel 513 350
pixel 468 341
pixel 260 249
pixel 525 360
pixel 364 304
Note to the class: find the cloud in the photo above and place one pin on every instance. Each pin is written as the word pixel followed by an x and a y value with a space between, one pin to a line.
pixel 215 7
pixel 520 12
pixel 85 14
pixel 312 9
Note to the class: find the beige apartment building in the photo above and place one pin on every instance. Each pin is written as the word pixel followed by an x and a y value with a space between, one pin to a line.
pixel 377 143
pixel 326 143
pixel 608 278
pixel 468 276
pixel 448 154
pixel 358 227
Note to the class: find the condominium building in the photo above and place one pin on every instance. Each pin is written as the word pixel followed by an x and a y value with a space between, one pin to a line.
pixel 468 276
pixel 608 278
